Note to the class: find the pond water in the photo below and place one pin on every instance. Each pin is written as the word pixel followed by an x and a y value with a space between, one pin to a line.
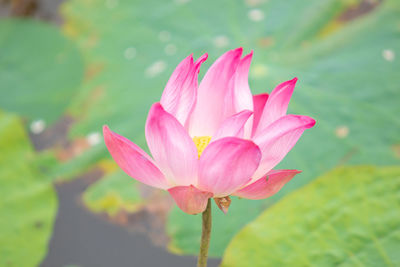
pixel 83 239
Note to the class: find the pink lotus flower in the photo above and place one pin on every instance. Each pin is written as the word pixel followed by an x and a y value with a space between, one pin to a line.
pixel 215 139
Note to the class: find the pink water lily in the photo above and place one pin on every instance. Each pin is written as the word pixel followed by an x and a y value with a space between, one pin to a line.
pixel 216 139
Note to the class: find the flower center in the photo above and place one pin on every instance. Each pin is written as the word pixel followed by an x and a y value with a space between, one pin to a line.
pixel 201 142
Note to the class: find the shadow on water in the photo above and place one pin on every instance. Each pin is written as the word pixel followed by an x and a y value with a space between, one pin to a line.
pixel 81 238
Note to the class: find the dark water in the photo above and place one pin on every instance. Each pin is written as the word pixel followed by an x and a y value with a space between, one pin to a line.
pixel 83 239
pixel 46 10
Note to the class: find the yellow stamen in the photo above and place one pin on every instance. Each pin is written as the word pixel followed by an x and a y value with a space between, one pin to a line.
pixel 201 142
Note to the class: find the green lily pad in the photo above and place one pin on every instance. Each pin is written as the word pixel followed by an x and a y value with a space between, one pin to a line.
pixel 114 192
pixel 40 69
pixel 348 217
pixel 28 202
pixel 347 77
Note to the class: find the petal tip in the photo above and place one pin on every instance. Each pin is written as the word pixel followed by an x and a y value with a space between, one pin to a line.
pixel 247 59
pixel 107 133
pixel 305 121
pixel 249 55
pixel 291 83
pixel 200 61
pixel 156 107
pixel 311 123
pixel 237 51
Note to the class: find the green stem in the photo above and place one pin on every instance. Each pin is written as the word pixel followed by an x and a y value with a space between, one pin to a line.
pixel 205 236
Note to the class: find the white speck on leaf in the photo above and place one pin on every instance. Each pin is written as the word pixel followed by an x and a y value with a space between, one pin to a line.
pixel 221 41
pixel 156 68
pixel 388 55
pixel 93 138
pixel 170 49
pixel 130 53
pixel 256 15
pixel 38 126
pixel 342 131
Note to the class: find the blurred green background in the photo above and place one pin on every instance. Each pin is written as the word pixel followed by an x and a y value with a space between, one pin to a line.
pixel 65 70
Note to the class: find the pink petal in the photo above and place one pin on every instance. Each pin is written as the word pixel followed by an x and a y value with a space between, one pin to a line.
pixel 190 199
pixel 200 60
pixel 179 95
pixel 171 147
pixel 227 164
pixel 242 97
pixel 268 185
pixel 233 126
pixel 277 104
pixel 277 140
pixel 208 113
pixel 259 103
pixel 242 94
pixel 133 160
